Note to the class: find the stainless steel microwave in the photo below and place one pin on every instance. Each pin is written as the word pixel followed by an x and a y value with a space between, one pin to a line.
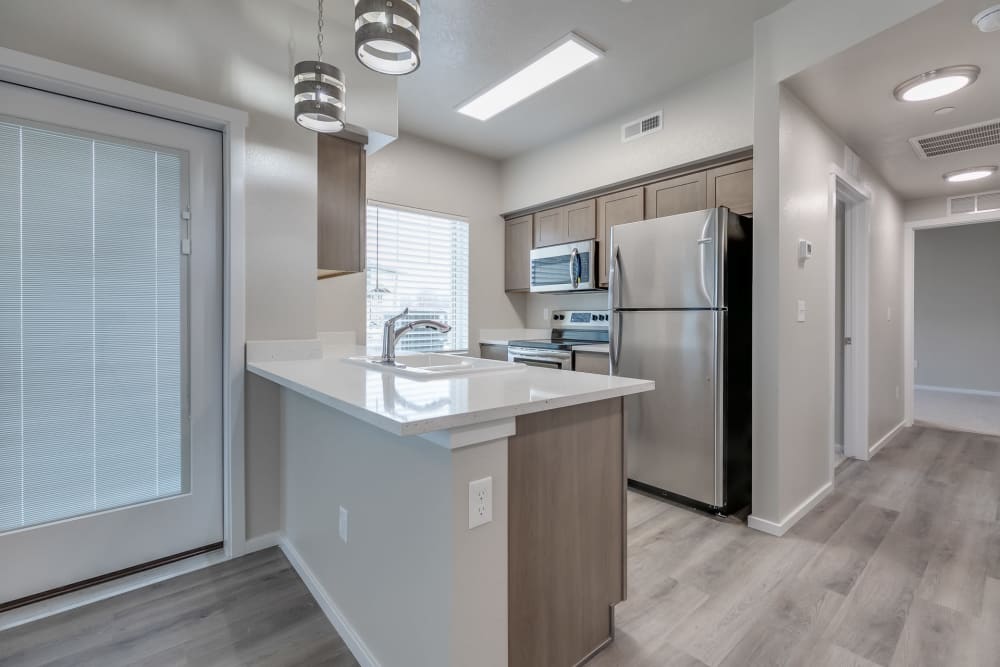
pixel 564 268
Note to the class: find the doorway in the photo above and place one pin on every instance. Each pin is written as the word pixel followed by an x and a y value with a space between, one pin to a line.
pixel 848 208
pixel 952 319
pixel 111 344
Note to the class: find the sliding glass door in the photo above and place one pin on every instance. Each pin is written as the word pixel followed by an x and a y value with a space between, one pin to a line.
pixel 110 340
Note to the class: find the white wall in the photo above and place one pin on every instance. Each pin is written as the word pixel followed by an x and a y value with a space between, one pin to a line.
pixel 239 53
pixel 707 117
pixel 790 463
pixel 956 280
pixel 423 174
pixel 925 209
pixel 412 580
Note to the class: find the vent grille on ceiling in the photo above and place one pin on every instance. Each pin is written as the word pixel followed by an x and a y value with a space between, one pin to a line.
pixel 984 201
pixel 642 126
pixel 980 135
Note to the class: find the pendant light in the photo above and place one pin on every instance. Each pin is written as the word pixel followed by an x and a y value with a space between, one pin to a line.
pixel 387 35
pixel 319 90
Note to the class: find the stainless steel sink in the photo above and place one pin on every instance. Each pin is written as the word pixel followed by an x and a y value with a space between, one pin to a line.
pixel 436 365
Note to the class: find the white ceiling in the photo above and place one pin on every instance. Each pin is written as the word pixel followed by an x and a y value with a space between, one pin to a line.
pixel 852 92
pixel 651 46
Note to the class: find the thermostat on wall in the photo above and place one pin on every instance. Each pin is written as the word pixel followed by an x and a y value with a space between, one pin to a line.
pixel 805 250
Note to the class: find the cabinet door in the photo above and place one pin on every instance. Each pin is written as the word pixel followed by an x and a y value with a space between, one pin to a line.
pixel 341 206
pixel 676 195
pixel 580 221
pixel 550 227
pixel 732 186
pixel 612 210
pixel 518 254
pixel 495 352
pixel 592 362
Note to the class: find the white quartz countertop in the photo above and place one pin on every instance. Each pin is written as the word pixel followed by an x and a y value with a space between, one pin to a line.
pixel 601 348
pixel 405 406
pixel 504 336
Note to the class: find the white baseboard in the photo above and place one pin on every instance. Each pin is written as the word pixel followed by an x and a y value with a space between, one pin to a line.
pixel 265 541
pixel 779 529
pixel 886 438
pixel 956 390
pixel 332 611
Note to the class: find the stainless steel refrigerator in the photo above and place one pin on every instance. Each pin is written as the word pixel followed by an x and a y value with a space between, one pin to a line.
pixel 680 296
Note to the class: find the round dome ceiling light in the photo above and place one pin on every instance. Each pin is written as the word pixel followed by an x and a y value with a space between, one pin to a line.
pixel 970 174
pixel 988 20
pixel 936 83
pixel 319 90
pixel 387 35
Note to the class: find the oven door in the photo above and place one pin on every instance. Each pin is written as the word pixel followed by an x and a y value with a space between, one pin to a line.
pixel 530 356
pixel 564 268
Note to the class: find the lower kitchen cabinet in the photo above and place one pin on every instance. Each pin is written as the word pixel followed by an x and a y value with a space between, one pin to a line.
pixel 496 352
pixel 592 362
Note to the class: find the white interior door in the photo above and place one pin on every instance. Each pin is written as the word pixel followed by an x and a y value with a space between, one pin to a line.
pixel 110 340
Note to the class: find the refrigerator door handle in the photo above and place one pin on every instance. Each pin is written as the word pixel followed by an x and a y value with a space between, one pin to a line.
pixel 614 334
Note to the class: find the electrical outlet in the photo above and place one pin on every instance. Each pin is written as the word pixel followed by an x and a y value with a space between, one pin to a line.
pixel 546 314
pixel 888 314
pixel 480 502
pixel 342 528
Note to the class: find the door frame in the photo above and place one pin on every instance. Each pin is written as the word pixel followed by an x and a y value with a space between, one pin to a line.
pixel 909 315
pixel 55 77
pixel 857 199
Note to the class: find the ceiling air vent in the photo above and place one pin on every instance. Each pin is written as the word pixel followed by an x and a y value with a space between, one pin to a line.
pixel 642 126
pixel 980 135
pixel 984 201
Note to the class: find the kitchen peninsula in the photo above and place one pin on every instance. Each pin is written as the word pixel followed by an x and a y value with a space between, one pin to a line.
pixel 384 474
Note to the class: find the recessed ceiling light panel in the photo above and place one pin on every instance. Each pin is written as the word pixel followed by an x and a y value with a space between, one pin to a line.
pixel 558 61
pixel 936 83
pixel 971 174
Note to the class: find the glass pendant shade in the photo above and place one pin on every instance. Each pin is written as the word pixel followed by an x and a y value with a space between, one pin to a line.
pixel 387 35
pixel 319 96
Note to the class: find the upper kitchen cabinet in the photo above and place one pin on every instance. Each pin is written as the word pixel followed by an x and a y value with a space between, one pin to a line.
pixel 732 186
pixel 677 195
pixel 615 209
pixel 340 206
pixel 518 254
pixel 566 224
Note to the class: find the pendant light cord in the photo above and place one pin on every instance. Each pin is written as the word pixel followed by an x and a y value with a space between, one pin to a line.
pixel 319 33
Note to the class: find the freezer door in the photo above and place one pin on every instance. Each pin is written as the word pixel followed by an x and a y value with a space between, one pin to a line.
pixel 671 262
pixel 673 434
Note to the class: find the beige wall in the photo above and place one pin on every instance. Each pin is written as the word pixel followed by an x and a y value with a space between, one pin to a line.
pixel 957 307
pixel 790 450
pixel 707 117
pixel 422 174
pixel 925 209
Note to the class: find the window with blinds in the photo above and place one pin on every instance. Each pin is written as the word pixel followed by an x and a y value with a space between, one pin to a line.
pixel 90 325
pixel 417 260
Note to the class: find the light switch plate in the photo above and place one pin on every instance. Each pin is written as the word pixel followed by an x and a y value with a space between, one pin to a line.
pixel 801 314
pixel 480 502
pixel 342 525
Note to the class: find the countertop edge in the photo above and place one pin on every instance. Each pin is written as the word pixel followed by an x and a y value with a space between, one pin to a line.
pixel 434 424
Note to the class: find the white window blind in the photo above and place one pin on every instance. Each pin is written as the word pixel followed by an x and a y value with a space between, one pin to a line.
pixel 418 260
pixel 90 325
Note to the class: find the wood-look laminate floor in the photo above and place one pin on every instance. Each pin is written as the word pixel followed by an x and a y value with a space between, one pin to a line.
pixel 899 567
pixel 250 611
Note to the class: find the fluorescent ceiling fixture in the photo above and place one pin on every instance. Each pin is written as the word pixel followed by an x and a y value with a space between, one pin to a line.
pixel 559 60
pixel 972 174
pixel 936 83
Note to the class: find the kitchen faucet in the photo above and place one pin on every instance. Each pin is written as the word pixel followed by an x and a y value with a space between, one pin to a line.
pixel 390 334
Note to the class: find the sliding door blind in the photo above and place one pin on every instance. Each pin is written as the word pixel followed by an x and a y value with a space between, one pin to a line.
pixel 90 325
pixel 417 260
